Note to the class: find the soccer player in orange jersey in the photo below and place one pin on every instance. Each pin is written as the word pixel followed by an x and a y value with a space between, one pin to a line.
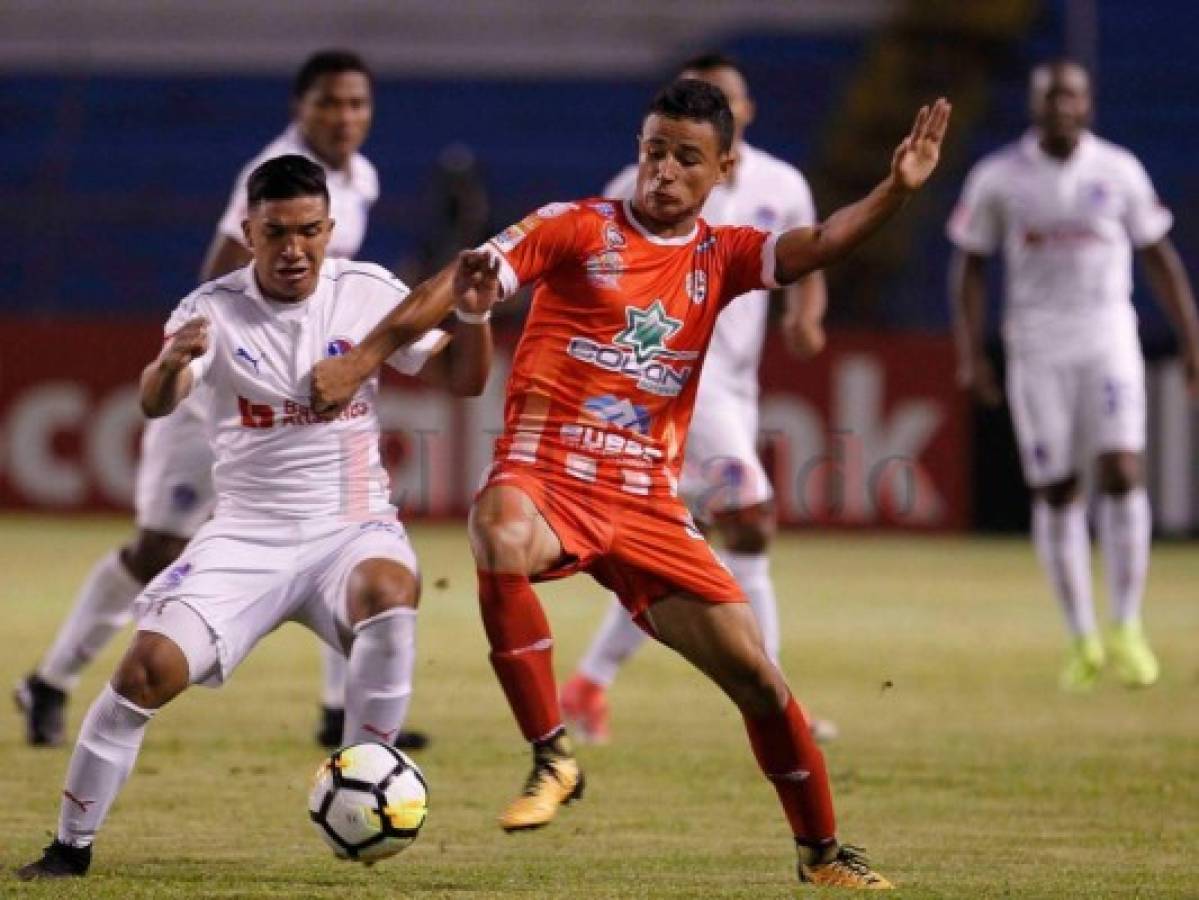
pixel 597 409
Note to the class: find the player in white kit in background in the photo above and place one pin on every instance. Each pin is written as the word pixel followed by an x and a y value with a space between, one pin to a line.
pixel 173 497
pixel 723 480
pixel 1067 208
pixel 304 529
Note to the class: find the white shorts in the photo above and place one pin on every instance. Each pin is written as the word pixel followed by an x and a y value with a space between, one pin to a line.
pixel 243 579
pixel 174 491
pixel 1067 412
pixel 722 470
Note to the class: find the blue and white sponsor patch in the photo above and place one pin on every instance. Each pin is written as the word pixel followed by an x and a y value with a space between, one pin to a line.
pixel 619 411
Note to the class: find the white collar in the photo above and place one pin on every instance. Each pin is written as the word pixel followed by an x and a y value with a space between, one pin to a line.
pixel 627 206
pixel 254 292
pixel 1031 145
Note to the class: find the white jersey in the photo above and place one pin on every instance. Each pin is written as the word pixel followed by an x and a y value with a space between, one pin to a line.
pixel 274 459
pixel 764 192
pixel 1067 228
pixel 352 193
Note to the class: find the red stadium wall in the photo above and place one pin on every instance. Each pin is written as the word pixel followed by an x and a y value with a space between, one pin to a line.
pixel 871 434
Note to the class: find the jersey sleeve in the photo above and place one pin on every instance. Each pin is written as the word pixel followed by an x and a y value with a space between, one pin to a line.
pixel 191 307
pixel 411 359
pixel 976 224
pixel 623 185
pixel 536 244
pixel 799 210
pixel 749 261
pixel 1145 218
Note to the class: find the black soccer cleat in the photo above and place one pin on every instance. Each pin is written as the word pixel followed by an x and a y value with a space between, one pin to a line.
pixel 44 708
pixel 411 740
pixel 58 860
pixel 333 723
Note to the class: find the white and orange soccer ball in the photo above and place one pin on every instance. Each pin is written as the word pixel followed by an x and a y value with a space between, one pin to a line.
pixel 368 802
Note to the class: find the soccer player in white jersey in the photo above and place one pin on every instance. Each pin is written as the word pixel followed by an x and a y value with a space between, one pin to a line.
pixel 331 118
pixel 1067 208
pixel 723 479
pixel 303 529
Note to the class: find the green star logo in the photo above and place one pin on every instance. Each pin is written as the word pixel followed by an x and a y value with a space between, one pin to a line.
pixel 647 331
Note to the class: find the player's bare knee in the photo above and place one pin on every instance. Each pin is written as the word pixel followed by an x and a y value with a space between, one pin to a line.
pixel 748 531
pixel 378 585
pixel 1119 473
pixel 153 672
pixel 749 538
pixel 1061 493
pixel 500 544
pixel 759 689
pixel 151 552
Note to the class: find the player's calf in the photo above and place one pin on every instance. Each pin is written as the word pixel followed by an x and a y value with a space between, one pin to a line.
pixel 382 597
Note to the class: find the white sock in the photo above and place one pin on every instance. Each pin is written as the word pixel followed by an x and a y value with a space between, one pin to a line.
pixel 379 682
pixel 1064 548
pixel 333 677
pixel 104 755
pixel 617 639
pixel 752 573
pixel 1125 529
pixel 102 608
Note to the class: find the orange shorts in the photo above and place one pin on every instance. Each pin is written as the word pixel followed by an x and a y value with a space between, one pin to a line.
pixel 640 548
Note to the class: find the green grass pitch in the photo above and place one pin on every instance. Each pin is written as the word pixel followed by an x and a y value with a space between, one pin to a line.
pixel 960 766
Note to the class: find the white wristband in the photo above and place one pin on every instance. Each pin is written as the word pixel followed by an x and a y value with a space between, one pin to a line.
pixel 473 318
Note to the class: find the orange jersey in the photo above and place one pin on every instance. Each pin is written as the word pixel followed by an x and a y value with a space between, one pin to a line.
pixel 606 371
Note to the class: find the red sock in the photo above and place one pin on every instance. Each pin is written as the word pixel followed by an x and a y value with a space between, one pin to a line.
pixel 521 651
pixel 789 757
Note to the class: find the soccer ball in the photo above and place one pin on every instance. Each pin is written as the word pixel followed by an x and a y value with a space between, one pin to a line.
pixel 368 802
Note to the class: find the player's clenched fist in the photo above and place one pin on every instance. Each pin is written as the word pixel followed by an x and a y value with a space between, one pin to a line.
pixel 476 282
pixel 186 344
pixel 335 381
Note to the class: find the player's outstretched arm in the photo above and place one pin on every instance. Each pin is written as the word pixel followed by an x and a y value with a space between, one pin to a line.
pixel 1170 285
pixel 802 250
pixel 168 379
pixel 335 381
pixel 463 365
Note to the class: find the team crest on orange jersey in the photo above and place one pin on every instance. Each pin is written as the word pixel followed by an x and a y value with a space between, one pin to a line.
pixel 604 269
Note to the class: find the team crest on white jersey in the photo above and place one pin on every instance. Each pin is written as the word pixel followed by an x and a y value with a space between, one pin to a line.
pixel 338 346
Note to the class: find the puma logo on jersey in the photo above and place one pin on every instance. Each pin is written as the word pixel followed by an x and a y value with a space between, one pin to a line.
pixel 243 354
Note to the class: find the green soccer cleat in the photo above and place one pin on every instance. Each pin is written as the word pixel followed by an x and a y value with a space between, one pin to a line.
pixel 1084 661
pixel 1134 660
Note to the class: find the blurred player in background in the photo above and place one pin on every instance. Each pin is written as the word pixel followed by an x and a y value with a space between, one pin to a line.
pixel 303 529
pixel 596 415
pixel 331 117
pixel 1067 207
pixel 723 480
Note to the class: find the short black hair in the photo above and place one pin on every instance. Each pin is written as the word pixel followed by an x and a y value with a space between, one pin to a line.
pixel 690 98
pixel 709 61
pixel 285 178
pixel 328 62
